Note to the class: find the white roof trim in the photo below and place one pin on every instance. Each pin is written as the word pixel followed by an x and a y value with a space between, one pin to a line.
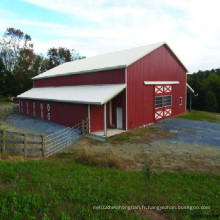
pixel 160 82
pixel 190 88
pixel 86 94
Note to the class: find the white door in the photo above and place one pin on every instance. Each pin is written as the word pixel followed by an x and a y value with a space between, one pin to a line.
pixel 119 117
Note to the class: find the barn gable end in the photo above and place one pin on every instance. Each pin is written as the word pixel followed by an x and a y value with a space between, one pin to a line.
pixel 159 65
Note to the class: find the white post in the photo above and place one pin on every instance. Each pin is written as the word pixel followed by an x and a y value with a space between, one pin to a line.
pixel 105 122
pixel 110 111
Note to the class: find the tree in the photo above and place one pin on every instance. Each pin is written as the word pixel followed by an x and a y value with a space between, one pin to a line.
pixel 211 104
pixel 57 56
pixel 7 81
pixel 19 63
pixel 12 44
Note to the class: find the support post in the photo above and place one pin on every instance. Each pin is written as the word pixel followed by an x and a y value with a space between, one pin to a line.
pixel 87 126
pixel 25 145
pixel 83 127
pixel 43 145
pixel 190 102
pixel 110 112
pixel 3 141
pixel 105 121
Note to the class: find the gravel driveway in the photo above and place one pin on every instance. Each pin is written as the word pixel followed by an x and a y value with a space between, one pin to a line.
pixel 32 125
pixel 190 131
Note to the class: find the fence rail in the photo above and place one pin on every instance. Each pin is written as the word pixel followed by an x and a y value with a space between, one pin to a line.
pixel 47 145
pixel 65 138
pixel 9 109
pixel 9 138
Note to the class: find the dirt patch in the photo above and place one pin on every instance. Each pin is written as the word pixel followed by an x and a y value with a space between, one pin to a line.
pixel 7 157
pixel 164 155
pixel 140 135
pixel 152 215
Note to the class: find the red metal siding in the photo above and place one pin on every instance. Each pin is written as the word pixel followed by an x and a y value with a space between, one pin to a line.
pixel 97 113
pixel 103 77
pixel 97 117
pixel 160 65
pixel 67 114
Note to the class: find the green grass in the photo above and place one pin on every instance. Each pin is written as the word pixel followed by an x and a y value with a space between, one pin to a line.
pixel 202 116
pixel 4 100
pixel 61 189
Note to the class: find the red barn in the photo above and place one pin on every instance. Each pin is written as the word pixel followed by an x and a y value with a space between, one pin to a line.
pixel 124 89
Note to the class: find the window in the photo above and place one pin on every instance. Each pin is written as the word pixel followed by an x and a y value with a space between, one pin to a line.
pixel 48 116
pixel 48 107
pixel 158 101
pixel 181 100
pixel 167 100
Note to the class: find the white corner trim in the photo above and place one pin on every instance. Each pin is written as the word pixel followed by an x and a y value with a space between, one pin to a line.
pixel 160 82
pixel 89 116
pixel 126 102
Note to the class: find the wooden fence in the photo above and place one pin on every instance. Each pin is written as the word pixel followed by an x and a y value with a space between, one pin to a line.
pixel 8 109
pixel 22 142
pixel 45 145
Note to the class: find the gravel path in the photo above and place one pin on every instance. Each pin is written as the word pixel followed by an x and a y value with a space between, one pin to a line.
pixel 32 125
pixel 190 131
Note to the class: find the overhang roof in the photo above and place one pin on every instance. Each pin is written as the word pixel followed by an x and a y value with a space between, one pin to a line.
pixel 115 60
pixel 86 94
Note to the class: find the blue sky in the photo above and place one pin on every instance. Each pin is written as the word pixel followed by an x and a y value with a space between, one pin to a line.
pixel 190 27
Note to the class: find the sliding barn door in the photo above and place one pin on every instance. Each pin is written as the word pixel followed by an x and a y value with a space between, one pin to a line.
pixel 162 101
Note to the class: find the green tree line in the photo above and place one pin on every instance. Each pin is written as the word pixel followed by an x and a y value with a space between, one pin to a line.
pixel 207 85
pixel 19 62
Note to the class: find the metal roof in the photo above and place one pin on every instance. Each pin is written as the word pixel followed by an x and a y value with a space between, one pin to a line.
pixel 114 60
pixel 86 94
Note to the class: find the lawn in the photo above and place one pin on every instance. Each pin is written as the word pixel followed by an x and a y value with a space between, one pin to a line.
pixel 4 100
pixel 202 116
pixel 61 188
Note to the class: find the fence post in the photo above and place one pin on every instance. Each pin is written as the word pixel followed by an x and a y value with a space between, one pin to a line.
pixel 43 145
pixel 3 141
pixel 87 125
pixel 25 145
pixel 83 127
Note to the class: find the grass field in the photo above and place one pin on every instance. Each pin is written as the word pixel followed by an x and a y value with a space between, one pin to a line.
pixel 61 188
pixel 4 100
pixel 202 116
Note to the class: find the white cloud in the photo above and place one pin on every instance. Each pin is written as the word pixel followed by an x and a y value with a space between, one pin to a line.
pixel 189 26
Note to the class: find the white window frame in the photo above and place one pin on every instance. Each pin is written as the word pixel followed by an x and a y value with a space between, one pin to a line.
pixel 48 116
pixel 181 100
pixel 48 107
pixel 170 99
pixel 155 102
